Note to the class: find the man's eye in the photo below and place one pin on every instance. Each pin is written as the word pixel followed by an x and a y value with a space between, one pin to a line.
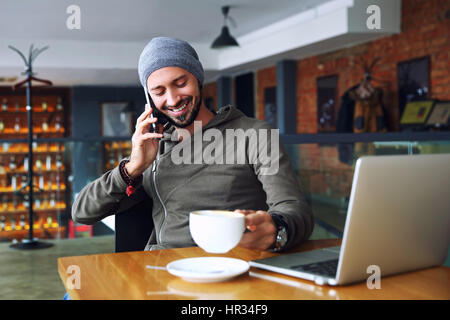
pixel 181 84
pixel 159 93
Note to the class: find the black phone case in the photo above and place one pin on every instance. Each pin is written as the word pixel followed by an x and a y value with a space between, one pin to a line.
pixel 162 119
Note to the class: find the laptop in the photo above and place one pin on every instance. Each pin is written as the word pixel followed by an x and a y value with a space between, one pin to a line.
pixel 398 219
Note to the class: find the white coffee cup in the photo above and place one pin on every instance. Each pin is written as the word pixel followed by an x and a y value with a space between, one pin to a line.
pixel 216 231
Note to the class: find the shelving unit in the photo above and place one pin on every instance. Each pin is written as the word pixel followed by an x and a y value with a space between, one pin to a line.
pixel 114 152
pixel 50 202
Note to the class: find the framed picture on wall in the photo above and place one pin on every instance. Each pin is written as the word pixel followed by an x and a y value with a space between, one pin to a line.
pixel 117 120
pixel 326 103
pixel 413 81
pixel 416 113
pixel 440 116
pixel 270 106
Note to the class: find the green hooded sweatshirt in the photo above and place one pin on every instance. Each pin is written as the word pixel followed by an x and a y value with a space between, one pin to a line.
pixel 252 171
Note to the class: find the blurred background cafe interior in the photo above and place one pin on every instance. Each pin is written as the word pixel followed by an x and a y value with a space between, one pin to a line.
pixel 311 68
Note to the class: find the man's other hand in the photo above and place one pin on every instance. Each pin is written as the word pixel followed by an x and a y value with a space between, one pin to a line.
pixel 262 230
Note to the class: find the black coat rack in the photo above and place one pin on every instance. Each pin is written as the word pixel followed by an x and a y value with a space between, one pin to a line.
pixel 31 242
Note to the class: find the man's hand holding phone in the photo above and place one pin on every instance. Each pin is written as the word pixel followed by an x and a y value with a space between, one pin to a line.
pixel 144 144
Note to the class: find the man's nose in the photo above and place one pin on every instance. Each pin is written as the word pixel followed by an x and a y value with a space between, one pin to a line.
pixel 172 98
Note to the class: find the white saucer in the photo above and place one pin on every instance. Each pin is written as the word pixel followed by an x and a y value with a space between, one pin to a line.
pixel 207 269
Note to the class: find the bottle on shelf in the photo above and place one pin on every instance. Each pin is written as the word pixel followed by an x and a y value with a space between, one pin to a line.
pixel 17 106
pixel 44 106
pixel 41 182
pixel 46 202
pixel 38 164
pixel 17 125
pixel 45 125
pixel 26 203
pixel 58 181
pixel 58 124
pixel 52 201
pixel 37 203
pixel 5 105
pixel 58 162
pixel 49 221
pixel 48 162
pixel 2 126
pixel 22 221
pixel 13 182
pixel 25 164
pixel 24 181
pixel 12 163
pixel 4 206
pixel 15 204
pixel 13 224
pixel 59 106
pixel 3 178
pixel 2 223
pixel 51 182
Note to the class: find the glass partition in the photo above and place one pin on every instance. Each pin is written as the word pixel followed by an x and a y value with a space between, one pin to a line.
pixel 62 167
pixel 325 172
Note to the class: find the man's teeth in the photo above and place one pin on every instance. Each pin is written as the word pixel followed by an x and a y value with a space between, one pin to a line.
pixel 178 110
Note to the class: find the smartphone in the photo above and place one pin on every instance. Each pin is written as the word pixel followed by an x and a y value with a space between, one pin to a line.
pixel 161 118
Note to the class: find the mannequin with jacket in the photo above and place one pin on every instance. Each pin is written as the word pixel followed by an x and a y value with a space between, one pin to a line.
pixel 361 110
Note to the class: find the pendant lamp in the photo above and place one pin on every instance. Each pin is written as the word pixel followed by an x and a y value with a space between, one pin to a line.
pixel 225 39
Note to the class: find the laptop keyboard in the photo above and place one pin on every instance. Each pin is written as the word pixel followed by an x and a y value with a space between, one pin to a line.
pixel 324 268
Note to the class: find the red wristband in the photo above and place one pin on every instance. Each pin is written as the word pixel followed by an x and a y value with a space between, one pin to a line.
pixel 130 190
pixel 128 180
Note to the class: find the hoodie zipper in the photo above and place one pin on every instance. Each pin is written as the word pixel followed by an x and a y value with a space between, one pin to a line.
pixel 160 200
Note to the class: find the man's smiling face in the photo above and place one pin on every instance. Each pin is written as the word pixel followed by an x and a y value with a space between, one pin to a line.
pixel 176 94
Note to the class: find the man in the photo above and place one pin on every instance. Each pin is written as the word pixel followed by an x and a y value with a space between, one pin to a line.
pixel 276 214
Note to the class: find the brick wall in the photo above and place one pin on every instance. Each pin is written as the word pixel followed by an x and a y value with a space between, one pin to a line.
pixel 425 32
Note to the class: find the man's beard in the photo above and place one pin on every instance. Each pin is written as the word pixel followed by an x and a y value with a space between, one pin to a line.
pixel 182 122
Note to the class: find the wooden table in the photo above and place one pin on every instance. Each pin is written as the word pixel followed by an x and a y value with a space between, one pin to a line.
pixel 125 276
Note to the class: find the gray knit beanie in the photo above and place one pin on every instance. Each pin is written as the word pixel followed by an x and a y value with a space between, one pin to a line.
pixel 163 52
